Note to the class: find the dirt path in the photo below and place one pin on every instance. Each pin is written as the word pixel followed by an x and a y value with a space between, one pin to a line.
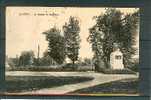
pixel 98 79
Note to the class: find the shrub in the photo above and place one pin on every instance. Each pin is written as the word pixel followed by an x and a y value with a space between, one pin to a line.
pixel 70 67
pixel 134 66
pixel 117 71
pixel 36 68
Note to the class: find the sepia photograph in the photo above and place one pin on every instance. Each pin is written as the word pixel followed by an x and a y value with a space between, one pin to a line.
pixel 92 51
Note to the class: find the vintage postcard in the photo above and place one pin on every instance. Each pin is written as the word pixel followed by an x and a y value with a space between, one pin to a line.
pixel 72 51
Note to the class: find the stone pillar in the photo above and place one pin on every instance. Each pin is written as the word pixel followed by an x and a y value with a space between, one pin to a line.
pixel 116 59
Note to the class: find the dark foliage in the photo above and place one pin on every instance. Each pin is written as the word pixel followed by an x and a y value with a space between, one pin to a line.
pixel 56 44
pixel 26 58
pixel 72 38
pixel 117 71
pixel 114 27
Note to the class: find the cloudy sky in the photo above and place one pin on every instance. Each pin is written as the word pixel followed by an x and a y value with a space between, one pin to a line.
pixel 24 26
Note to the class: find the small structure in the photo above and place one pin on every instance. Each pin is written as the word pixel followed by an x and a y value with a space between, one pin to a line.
pixel 116 59
pixel 67 60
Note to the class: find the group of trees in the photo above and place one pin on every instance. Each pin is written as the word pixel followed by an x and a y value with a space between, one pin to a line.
pixel 60 46
pixel 113 27
pixel 27 58
pixel 56 44
pixel 65 44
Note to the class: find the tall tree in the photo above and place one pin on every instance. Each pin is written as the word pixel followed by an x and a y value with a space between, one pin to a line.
pixel 72 37
pixel 56 45
pixel 113 27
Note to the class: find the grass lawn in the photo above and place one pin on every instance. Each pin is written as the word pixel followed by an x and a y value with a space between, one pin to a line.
pixel 28 83
pixel 125 86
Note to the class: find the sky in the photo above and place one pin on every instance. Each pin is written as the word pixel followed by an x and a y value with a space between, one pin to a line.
pixel 24 27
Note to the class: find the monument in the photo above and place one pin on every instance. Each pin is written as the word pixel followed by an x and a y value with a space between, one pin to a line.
pixel 116 58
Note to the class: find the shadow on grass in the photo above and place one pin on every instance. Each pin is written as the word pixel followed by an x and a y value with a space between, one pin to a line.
pixel 126 86
pixel 28 83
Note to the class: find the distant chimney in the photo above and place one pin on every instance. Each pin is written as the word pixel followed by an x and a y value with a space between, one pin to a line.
pixel 38 51
pixel 38 54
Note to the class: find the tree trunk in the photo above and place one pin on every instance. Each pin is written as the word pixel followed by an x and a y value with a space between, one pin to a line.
pixel 73 62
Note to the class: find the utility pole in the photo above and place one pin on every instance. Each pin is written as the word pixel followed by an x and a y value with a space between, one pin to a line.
pixel 38 54
pixel 17 60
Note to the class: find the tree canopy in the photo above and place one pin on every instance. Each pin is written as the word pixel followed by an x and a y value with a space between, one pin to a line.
pixel 56 45
pixel 113 27
pixel 72 38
